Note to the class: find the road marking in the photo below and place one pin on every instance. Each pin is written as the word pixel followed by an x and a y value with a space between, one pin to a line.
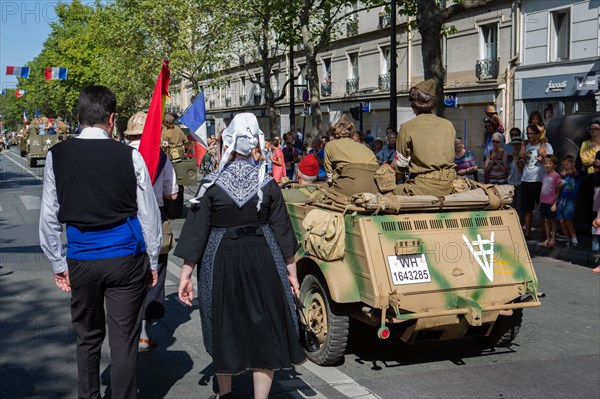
pixel 31 201
pixel 331 376
pixel 10 156
pixel 340 381
pixel 299 389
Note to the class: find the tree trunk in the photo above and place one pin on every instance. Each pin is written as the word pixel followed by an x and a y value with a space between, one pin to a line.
pixel 429 23
pixel 312 75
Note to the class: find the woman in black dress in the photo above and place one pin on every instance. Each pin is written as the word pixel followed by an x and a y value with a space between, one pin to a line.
pixel 239 232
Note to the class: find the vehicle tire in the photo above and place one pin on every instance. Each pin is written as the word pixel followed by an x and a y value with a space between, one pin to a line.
pixel 505 329
pixel 32 163
pixel 327 319
pixel 23 154
pixel 174 208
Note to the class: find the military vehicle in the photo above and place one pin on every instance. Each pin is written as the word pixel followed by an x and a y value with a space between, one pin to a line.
pixel 418 268
pixel 38 146
pixel 187 175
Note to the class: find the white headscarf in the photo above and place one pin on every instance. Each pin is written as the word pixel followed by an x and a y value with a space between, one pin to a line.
pixel 242 135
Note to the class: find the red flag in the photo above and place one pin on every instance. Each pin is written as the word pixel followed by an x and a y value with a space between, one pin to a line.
pixel 150 143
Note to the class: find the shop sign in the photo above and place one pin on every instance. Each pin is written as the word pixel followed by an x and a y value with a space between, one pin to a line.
pixel 556 87
pixel 450 101
pixel 585 83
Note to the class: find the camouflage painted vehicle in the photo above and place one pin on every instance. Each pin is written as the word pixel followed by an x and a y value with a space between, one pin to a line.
pixel 438 273
pixel 38 146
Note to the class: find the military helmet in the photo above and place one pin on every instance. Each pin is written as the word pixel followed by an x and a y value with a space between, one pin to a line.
pixel 169 119
pixel 135 125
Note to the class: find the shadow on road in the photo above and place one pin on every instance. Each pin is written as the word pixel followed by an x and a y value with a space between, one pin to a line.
pixel 368 349
pixel 36 340
pixel 161 367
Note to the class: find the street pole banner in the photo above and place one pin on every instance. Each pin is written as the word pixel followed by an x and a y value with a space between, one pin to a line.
pixel 22 72
pixel 55 73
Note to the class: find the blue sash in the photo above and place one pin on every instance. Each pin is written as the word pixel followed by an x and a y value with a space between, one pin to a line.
pixel 123 239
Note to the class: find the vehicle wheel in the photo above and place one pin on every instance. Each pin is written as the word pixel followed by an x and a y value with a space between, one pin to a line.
pixel 23 153
pixel 174 208
pixel 32 163
pixel 505 329
pixel 326 319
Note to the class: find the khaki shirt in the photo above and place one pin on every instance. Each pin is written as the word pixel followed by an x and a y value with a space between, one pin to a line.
pixel 340 152
pixel 62 128
pixel 174 136
pixel 429 141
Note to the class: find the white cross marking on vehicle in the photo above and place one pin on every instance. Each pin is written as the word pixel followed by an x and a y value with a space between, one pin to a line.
pixel 484 257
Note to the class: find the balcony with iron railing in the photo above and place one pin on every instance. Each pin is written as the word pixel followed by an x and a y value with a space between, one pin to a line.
pixel 487 69
pixel 384 20
pixel 243 99
pixel 351 85
pixel 257 98
pixel 384 82
pixel 326 89
pixel 299 91
pixel 352 28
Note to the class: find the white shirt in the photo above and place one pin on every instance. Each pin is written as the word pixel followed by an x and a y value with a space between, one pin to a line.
pixel 148 212
pixel 533 170
pixel 166 181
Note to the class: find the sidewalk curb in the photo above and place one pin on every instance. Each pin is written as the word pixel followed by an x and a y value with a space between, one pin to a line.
pixel 578 256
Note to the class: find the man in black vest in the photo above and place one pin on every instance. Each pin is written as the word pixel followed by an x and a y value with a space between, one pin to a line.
pixel 102 191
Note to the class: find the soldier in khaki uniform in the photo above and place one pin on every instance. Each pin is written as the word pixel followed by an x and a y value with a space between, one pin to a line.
pixel 350 166
pixel 61 127
pixel 426 145
pixel 173 139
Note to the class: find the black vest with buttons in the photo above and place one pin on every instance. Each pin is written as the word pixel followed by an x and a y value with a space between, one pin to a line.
pixel 95 182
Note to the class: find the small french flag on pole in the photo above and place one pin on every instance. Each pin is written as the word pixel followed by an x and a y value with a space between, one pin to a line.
pixel 22 72
pixel 56 73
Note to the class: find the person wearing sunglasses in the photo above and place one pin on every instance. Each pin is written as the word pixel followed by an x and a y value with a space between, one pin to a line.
pixel 496 163
pixel 533 172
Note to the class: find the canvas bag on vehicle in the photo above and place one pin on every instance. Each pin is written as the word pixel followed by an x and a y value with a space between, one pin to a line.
pixel 324 234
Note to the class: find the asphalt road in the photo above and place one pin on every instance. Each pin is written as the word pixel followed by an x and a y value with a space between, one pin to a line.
pixel 557 354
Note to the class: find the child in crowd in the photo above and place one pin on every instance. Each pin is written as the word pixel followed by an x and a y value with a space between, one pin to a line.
pixel 516 170
pixel 535 119
pixel 548 200
pixel 567 199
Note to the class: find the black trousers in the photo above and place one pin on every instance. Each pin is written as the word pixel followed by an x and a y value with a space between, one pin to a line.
pixel 154 304
pixel 121 283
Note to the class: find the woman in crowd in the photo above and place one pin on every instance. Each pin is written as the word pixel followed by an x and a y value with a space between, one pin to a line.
pixel 240 233
pixel 464 160
pixel 496 164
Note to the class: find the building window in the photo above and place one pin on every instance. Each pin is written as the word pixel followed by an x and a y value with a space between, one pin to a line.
pixel 488 64
pixel 384 75
pixel 326 84
pixel 559 35
pixel 352 23
pixel 352 82
pixel 489 42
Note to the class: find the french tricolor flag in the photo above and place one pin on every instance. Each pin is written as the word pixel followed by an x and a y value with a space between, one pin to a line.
pixel 194 117
pixel 22 72
pixel 20 93
pixel 56 73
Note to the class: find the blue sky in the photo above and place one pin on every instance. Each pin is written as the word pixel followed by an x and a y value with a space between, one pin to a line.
pixel 24 26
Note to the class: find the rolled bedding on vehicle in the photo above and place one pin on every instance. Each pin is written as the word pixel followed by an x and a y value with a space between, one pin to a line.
pixel 487 197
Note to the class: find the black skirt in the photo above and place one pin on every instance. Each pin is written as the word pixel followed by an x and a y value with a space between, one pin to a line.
pixel 252 326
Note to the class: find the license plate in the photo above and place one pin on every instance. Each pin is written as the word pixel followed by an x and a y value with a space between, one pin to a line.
pixel 409 269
